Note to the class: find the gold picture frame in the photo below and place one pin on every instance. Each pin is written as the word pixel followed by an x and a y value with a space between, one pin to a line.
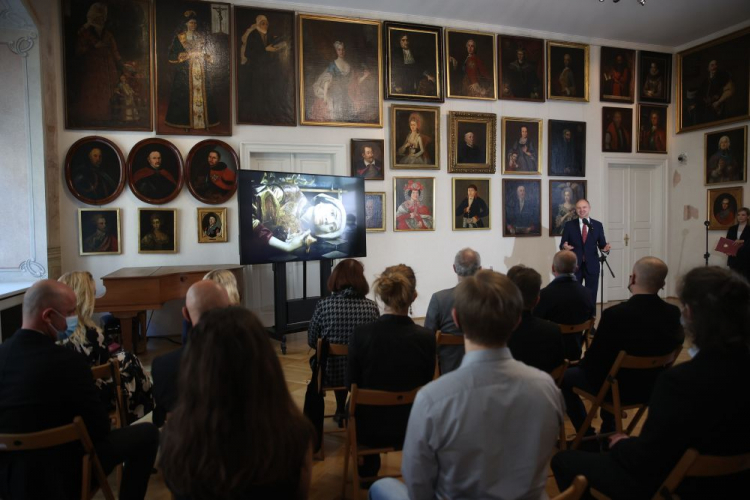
pixel 157 238
pixel 480 80
pixel 414 212
pixel 212 225
pixel 722 217
pixel 375 211
pixel 567 73
pixel 99 231
pixel 519 156
pixel 652 137
pixel 415 149
pixel 475 156
pixel 474 216
pixel 409 70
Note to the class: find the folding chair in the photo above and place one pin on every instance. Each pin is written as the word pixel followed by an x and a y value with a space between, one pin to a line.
pixel 111 370
pixel 58 436
pixel 583 329
pixel 574 491
pixel 611 383
pixel 558 373
pixel 333 350
pixel 366 397
pixel 444 339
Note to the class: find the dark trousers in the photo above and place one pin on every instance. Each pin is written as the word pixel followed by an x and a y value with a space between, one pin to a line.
pixel 135 446
pixel 589 279
pixel 575 377
pixel 603 473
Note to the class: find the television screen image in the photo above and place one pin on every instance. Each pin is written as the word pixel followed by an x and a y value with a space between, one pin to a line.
pixel 286 216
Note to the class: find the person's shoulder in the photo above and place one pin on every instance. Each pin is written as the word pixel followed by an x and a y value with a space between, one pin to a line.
pixel 531 377
pixel 166 360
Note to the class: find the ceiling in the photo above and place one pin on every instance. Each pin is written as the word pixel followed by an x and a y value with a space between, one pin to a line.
pixel 668 23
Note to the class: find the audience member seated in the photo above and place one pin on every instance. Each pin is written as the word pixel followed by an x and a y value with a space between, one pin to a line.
pixel 488 429
pixel 645 325
pixel 44 385
pixel 235 431
pixel 226 279
pixel 391 354
pixel 535 341
pixel 201 297
pixel 703 403
pixel 466 263
pixel 566 301
pixel 336 317
pixel 89 340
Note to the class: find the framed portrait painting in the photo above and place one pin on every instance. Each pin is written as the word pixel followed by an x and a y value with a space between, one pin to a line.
pixel 521 68
pixel 157 230
pixel 107 64
pixel 472 143
pixel 617 75
pixel 725 156
pixel 339 65
pixel 193 68
pixel 155 171
pixel 375 212
pixel 95 170
pixel 265 58
pixel 713 82
pixel 522 207
pixel 567 71
pixel 471 203
pixel 617 130
pixel 211 171
pixel 563 196
pixel 723 204
pixel 413 204
pixel 470 64
pixel 522 146
pixel 212 225
pixel 414 62
pixel 367 160
pixel 566 145
pixel 652 128
pixel 415 137
pixel 655 77
pixel 99 231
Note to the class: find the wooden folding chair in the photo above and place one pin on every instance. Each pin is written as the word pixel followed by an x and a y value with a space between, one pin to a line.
pixel 353 450
pixel 444 339
pixel 558 373
pixel 611 384
pixel 574 491
pixel 333 350
pixel 58 436
pixel 111 370
pixel 583 329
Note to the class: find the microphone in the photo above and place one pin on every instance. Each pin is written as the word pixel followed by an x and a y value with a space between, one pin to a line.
pixel 587 222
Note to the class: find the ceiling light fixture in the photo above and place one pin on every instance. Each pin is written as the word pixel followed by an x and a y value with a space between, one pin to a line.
pixel 642 2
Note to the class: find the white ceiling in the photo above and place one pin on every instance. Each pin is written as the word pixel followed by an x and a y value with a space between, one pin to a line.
pixel 669 23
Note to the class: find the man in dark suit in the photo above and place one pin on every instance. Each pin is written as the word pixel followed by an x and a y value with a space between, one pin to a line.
pixel 201 297
pixel 439 316
pixel 536 342
pixel 565 301
pixel 583 236
pixel 43 385
pixel 740 232
pixel 645 325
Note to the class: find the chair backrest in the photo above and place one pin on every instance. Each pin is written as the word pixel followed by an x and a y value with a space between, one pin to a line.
pixel 448 339
pixel 333 350
pixel 558 373
pixel 647 363
pixel 575 490
pixel 693 464
pixel 371 397
pixel 580 327
pixel 111 369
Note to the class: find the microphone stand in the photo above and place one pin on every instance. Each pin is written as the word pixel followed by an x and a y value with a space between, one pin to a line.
pixel 706 255
pixel 603 261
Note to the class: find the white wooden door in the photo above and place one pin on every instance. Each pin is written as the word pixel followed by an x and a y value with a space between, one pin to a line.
pixel 635 217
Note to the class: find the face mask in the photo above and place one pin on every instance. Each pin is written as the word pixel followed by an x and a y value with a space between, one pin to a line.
pixel 71 322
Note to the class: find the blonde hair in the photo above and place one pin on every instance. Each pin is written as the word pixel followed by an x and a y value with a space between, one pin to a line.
pixel 226 279
pixel 84 287
pixel 396 287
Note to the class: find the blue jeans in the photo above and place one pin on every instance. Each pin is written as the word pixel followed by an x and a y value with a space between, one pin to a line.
pixel 388 488
pixel 575 377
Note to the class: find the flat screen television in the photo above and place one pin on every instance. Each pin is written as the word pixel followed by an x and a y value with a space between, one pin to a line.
pixel 286 217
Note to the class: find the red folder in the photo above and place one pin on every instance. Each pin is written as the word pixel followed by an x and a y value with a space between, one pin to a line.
pixel 729 247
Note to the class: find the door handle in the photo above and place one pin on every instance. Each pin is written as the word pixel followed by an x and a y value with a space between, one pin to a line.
pixel 626 239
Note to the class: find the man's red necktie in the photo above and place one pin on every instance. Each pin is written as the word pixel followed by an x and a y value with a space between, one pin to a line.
pixel 585 233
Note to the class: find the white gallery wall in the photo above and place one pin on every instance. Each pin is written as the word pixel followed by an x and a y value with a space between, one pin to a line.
pixel 429 253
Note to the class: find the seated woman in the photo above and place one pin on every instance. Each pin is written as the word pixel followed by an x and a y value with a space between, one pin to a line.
pixel 391 354
pixel 337 315
pixel 89 340
pixel 698 404
pixel 227 280
pixel 236 433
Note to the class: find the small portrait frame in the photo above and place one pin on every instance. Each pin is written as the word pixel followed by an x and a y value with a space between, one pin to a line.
pixel 475 214
pixel 655 77
pixel 617 75
pixel 212 225
pixel 522 220
pixel 99 231
pixel 561 207
pixel 723 217
pixel 522 154
pixel 723 163
pixel 413 213
pixel 413 72
pixel 470 73
pixel 567 82
pixel 415 137
pixel 521 68
pixel 566 148
pixel 652 128
pixel 369 165
pixel 155 180
pixel 475 154
pixel 375 208
pixel 611 131
pixel 95 178
pixel 211 171
pixel 157 238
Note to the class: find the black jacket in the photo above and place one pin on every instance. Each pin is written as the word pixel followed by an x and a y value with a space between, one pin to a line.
pixel 165 370
pixel 565 301
pixel 740 263
pixel 537 343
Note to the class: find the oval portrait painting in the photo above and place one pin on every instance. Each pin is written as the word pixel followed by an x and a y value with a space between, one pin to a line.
pixel 211 171
pixel 94 170
pixel 155 171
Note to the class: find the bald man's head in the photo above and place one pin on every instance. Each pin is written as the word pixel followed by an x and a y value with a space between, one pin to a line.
pixel 202 297
pixel 564 262
pixel 649 275
pixel 46 305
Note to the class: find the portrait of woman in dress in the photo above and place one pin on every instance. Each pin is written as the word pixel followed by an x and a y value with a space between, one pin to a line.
pixel 563 198
pixel 413 151
pixel 413 214
pixel 338 89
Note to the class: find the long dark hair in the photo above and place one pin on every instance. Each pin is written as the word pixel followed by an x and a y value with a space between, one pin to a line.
pixel 235 424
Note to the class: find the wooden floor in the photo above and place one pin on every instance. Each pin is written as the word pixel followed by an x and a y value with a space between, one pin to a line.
pixel 326 480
